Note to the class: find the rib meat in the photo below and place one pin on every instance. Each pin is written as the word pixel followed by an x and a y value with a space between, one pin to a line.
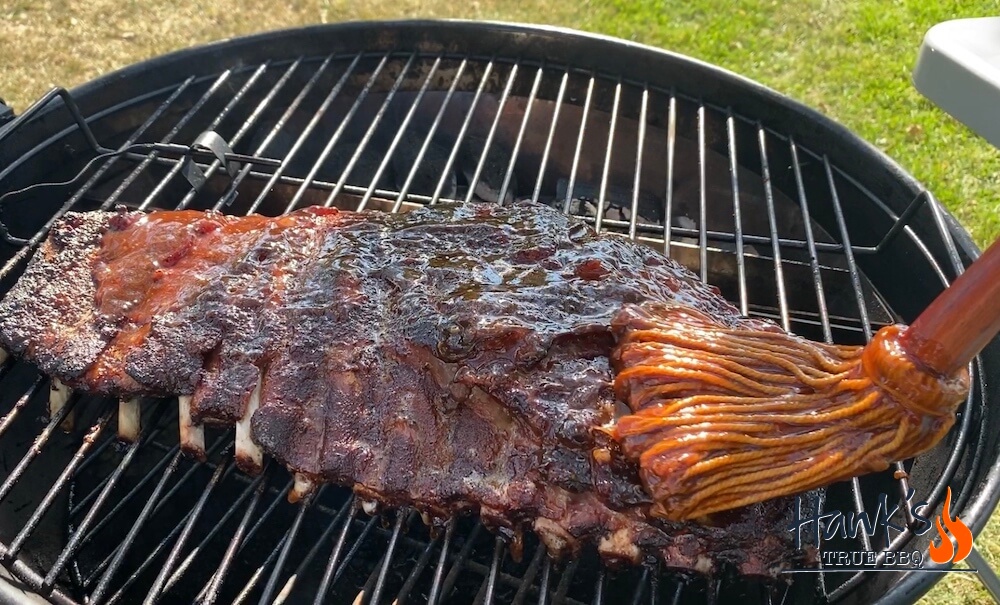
pixel 454 358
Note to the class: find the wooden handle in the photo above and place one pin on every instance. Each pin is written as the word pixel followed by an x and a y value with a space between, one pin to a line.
pixel 962 320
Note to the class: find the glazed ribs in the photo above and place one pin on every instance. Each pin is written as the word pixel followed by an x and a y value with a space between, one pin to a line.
pixel 454 358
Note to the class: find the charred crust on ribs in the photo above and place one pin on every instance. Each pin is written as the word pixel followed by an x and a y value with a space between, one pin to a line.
pixel 453 359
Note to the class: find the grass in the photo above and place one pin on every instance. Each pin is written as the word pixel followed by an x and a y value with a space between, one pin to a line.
pixel 851 60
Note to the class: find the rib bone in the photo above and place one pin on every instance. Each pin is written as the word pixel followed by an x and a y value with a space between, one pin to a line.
pixel 301 488
pixel 59 394
pixel 192 435
pixel 128 419
pixel 249 456
pixel 369 506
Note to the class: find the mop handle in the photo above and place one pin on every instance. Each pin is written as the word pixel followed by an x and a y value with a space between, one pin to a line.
pixel 961 320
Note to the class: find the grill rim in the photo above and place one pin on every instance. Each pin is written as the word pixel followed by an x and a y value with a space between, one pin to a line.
pixel 781 110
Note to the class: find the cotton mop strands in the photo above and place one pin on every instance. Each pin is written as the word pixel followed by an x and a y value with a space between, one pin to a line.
pixel 724 418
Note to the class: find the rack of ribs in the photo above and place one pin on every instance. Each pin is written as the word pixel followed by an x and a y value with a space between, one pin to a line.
pixel 452 359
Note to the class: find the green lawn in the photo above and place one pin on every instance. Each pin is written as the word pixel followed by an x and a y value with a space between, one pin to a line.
pixel 851 60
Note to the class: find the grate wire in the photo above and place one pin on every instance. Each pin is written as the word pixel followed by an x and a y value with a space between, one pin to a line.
pixel 445 559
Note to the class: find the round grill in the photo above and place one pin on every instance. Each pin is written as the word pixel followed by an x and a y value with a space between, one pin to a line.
pixel 791 216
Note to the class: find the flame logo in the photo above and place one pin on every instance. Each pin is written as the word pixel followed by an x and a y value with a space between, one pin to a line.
pixel 946 552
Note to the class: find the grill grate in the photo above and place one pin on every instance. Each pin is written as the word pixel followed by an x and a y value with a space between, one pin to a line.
pixel 736 201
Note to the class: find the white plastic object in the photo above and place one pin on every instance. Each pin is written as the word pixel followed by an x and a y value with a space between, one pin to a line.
pixel 959 70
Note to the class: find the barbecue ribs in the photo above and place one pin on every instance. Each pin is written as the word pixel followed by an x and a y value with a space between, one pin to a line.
pixel 454 358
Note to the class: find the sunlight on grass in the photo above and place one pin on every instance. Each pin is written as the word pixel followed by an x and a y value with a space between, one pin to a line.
pixel 851 60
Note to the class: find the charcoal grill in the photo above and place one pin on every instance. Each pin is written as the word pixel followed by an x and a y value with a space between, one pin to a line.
pixel 788 213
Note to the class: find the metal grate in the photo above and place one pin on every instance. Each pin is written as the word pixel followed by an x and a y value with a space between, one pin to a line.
pixel 740 204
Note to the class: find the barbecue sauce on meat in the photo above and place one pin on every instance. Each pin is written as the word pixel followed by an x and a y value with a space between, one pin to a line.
pixel 454 358
pixel 168 262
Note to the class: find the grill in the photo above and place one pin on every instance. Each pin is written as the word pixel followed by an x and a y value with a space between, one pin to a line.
pixel 787 213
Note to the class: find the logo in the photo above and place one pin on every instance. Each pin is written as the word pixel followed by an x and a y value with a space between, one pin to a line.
pixel 836 526
pixel 946 552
